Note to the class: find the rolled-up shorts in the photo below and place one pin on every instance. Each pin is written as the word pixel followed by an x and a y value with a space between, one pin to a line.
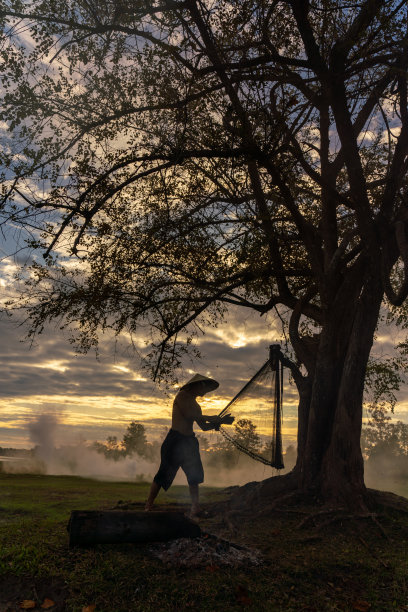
pixel 178 451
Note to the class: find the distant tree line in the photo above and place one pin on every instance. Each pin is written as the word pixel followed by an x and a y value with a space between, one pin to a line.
pixel 220 452
pixel 14 452
pixel 134 442
pixel 385 444
pixel 384 441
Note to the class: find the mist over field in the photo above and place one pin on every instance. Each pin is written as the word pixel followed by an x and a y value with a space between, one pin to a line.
pixel 387 472
pixel 384 473
pixel 86 462
pixel 383 470
pixel 83 459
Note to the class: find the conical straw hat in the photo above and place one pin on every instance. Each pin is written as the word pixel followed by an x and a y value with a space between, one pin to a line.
pixel 210 383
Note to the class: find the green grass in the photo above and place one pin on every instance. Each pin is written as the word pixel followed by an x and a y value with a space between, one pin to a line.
pixel 343 566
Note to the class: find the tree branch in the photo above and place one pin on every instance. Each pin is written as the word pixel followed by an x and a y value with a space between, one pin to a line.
pixel 397 298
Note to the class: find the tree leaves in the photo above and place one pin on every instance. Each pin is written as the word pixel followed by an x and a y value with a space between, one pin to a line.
pixel 29 604
pixel 47 604
pixel 195 163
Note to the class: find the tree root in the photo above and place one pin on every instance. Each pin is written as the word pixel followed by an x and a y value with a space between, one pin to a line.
pixel 255 494
pixel 282 510
pixel 282 494
pixel 314 515
pixel 380 527
pixel 364 543
pixel 388 500
pixel 227 520
pixel 340 516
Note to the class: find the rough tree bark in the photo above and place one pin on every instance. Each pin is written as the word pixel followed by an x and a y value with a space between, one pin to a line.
pixel 332 464
pixel 329 466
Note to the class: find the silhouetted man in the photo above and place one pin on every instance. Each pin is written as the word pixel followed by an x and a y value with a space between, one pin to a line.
pixel 180 447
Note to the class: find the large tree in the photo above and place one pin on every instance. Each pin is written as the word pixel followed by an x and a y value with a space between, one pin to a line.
pixel 194 154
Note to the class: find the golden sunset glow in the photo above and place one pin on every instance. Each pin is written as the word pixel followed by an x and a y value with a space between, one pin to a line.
pixel 96 398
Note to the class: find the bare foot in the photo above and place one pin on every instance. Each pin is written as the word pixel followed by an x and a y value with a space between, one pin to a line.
pixel 195 512
pixel 148 507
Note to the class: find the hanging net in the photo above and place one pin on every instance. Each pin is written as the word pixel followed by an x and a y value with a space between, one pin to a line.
pixel 257 409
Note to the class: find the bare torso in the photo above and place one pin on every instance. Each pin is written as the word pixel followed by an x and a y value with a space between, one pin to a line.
pixel 185 411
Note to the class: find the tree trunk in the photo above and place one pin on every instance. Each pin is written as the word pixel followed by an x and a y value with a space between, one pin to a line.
pixel 305 392
pixel 330 463
pixel 343 468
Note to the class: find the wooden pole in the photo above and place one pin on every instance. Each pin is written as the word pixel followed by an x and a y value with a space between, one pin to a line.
pixel 88 527
pixel 274 350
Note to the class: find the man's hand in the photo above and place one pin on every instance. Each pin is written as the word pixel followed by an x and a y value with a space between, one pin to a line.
pixel 214 421
pixel 225 420
pixel 217 423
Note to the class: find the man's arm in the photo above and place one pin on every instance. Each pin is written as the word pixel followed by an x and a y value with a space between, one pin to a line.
pixel 191 409
pixel 208 422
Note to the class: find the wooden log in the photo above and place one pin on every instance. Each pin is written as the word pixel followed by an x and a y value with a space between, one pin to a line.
pixel 88 527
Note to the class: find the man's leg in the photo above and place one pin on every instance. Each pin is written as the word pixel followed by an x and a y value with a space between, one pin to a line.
pixel 195 505
pixel 193 469
pixel 167 470
pixel 154 490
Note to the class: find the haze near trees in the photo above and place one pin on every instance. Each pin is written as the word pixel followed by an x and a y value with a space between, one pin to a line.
pixel 195 155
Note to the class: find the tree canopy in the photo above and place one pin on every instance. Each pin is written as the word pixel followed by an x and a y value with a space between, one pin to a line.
pixel 196 154
pixel 199 155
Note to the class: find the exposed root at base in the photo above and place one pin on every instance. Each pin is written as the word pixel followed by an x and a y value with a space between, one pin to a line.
pixel 269 491
pixel 364 543
pixel 388 500
pixel 340 515
pixel 282 494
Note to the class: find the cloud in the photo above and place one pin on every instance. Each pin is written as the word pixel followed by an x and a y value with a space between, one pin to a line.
pixel 50 367
pixel 94 398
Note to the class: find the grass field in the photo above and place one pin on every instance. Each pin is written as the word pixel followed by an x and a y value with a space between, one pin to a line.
pixel 343 565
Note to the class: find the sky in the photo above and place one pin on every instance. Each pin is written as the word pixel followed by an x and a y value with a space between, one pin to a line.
pixel 93 398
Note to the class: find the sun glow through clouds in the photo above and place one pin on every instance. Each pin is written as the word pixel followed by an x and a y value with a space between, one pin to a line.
pixel 58 366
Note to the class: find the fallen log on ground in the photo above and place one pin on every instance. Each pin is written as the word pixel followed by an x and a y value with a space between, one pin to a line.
pixel 89 527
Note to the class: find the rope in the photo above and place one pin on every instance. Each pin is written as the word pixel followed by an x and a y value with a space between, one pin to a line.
pixel 247 451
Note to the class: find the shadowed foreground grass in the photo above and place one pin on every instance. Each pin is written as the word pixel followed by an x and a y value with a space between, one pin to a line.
pixel 352 564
